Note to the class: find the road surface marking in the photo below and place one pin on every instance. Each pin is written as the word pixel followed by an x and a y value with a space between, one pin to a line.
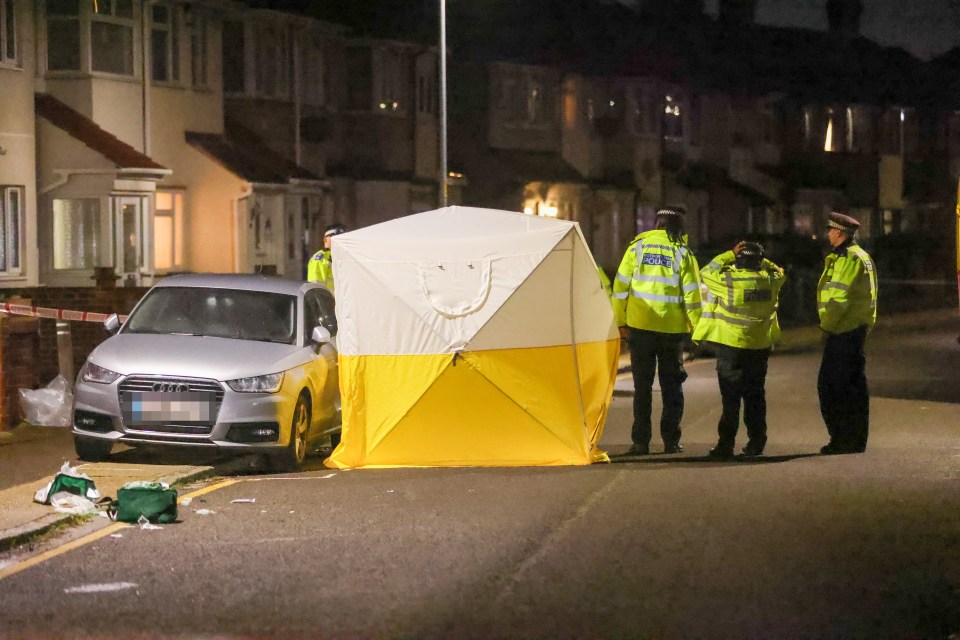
pixel 101 588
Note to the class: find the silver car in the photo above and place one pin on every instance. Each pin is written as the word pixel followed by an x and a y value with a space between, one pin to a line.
pixel 241 362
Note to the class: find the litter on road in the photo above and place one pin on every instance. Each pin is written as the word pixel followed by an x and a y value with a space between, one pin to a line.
pixel 243 501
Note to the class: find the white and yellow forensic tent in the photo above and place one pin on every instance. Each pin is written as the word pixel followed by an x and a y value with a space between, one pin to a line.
pixel 471 337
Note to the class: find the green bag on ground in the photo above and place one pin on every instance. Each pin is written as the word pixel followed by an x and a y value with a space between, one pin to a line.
pixel 153 500
pixel 70 484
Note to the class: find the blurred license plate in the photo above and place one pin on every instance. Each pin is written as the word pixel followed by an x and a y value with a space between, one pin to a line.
pixel 160 407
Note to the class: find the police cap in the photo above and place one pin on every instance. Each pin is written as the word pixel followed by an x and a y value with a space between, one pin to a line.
pixel 751 250
pixel 334 229
pixel 843 223
pixel 672 210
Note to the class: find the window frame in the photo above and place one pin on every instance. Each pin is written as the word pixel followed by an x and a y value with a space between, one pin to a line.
pixel 116 20
pixel 198 26
pixel 12 229
pixel 173 54
pixel 103 251
pixel 8 35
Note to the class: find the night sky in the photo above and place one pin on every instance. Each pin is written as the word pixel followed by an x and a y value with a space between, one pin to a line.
pixel 925 28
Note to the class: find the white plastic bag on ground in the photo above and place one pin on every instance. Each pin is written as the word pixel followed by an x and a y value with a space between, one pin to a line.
pixel 63 502
pixel 51 406
pixel 42 493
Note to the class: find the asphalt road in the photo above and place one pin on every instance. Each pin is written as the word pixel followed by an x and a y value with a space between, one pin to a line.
pixel 794 545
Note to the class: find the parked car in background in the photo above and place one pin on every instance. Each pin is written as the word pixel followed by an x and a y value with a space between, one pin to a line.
pixel 241 362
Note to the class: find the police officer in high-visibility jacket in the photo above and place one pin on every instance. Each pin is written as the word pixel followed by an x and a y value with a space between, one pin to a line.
pixel 320 268
pixel 657 303
pixel 847 304
pixel 740 318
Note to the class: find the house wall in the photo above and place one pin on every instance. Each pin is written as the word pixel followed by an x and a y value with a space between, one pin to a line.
pixel 380 201
pixel 18 141
pixel 211 234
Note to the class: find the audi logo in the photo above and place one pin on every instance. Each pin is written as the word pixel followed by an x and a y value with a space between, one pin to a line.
pixel 170 386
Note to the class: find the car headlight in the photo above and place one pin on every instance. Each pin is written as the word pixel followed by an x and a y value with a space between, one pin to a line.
pixel 269 383
pixel 93 373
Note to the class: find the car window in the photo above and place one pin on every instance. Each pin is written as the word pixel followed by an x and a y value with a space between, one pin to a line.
pixel 222 313
pixel 319 311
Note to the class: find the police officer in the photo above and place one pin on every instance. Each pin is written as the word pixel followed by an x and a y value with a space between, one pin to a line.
pixel 320 268
pixel 740 318
pixel 657 303
pixel 847 304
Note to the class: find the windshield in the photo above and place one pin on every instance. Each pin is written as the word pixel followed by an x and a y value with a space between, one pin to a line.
pixel 222 313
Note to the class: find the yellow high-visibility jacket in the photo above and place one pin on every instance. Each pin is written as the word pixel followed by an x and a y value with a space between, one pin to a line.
pixel 320 268
pixel 657 287
pixel 847 291
pixel 741 306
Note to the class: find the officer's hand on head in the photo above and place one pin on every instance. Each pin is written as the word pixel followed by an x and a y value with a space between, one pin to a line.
pixel 623 332
pixel 739 247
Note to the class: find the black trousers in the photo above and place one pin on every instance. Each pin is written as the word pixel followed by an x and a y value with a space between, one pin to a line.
pixel 655 352
pixel 742 374
pixel 842 386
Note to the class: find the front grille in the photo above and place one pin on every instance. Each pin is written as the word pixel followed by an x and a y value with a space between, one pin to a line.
pixel 172 430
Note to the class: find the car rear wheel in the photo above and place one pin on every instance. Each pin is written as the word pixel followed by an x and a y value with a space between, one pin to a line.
pixel 91 449
pixel 292 457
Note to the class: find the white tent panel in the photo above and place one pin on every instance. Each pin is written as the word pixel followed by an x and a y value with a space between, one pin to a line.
pixel 453 223
pixel 538 314
pixel 593 316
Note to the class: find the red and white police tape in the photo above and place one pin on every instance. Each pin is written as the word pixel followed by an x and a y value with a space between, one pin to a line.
pixel 55 314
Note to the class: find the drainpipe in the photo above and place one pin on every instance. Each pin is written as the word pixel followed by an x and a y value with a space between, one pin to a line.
pixel 145 63
pixel 297 96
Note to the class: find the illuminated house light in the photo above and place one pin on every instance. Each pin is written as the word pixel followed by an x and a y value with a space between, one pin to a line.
pixel 528 211
pixel 383 105
pixel 613 103
pixel 903 115
pixel 828 143
pixel 548 211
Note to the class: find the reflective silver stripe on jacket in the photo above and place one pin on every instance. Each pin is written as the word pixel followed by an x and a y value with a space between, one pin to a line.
pixel 622 295
pixel 837 285
pixel 658 279
pixel 691 286
pixel 622 278
pixel 656 297
pixel 742 322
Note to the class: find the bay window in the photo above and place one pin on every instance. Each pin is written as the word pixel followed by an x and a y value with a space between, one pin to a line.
pixel 111 37
pixel 198 49
pixel 63 35
pixel 81 236
pixel 168 231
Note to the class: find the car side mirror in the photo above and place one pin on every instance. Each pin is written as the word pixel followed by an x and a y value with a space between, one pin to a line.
pixel 112 324
pixel 330 322
pixel 320 335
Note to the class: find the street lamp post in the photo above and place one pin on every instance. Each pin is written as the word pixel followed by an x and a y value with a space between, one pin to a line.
pixel 444 175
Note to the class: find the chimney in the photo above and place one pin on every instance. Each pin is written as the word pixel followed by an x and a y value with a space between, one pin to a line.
pixel 844 16
pixel 738 12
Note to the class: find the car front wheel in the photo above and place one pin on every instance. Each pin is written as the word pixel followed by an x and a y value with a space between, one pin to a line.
pixel 292 457
pixel 91 449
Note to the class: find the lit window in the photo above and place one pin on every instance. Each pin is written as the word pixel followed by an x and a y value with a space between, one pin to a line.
pixel 77 234
pixel 111 37
pixel 165 43
pixel 8 34
pixel 393 77
pixel 672 118
pixel 63 35
pixel 168 231
pixel 828 141
pixel 11 229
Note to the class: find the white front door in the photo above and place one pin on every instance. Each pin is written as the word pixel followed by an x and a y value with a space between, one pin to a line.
pixel 133 246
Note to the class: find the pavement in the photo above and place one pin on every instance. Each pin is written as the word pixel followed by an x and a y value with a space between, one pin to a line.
pixel 22 520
